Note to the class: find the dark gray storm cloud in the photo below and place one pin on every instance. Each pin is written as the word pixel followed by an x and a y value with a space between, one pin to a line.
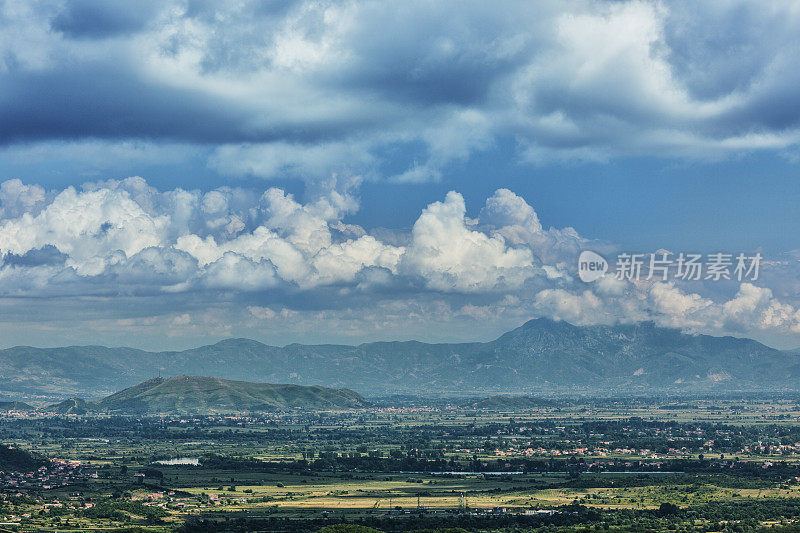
pixel 108 101
pixel 276 85
pixel 96 19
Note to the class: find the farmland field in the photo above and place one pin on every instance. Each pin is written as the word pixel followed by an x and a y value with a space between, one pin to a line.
pixel 705 464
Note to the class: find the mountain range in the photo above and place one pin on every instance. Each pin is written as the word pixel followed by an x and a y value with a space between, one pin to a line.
pixel 542 356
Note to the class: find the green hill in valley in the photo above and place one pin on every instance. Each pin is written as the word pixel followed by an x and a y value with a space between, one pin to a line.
pixel 15 406
pixel 194 394
pixel 129 400
pixel 14 459
pixel 73 406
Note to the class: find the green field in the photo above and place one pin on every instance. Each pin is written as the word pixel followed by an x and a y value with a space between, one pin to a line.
pixel 574 464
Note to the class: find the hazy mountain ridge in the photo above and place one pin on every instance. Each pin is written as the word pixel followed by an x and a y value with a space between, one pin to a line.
pixel 540 356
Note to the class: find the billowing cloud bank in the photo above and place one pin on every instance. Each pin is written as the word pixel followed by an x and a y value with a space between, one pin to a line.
pixel 308 88
pixel 273 259
pixel 126 236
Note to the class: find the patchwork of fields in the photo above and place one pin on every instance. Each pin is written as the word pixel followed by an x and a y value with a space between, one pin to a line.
pixel 703 465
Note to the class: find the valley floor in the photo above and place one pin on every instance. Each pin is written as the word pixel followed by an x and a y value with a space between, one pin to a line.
pixel 622 465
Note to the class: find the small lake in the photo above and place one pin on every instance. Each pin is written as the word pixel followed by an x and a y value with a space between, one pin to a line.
pixel 180 461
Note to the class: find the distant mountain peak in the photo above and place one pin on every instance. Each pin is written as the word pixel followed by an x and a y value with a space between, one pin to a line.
pixel 238 341
pixel 541 356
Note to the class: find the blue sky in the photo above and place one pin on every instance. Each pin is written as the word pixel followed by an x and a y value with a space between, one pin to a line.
pixel 642 203
pixel 185 171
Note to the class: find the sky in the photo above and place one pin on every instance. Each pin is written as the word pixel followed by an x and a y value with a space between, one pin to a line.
pixel 173 173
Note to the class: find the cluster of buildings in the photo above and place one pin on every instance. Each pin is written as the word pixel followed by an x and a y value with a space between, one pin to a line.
pixel 771 449
pixel 577 451
pixel 56 473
